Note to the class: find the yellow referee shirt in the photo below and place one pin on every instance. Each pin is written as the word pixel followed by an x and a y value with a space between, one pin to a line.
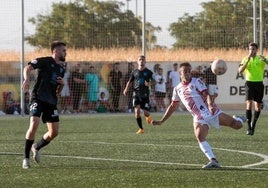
pixel 254 71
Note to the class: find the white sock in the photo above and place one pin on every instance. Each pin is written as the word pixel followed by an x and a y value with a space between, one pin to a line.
pixel 206 149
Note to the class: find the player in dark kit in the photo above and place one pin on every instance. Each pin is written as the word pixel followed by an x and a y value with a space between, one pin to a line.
pixel 141 78
pixel 48 85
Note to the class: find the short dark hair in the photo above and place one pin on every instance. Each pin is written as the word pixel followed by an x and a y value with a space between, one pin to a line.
pixel 185 64
pixel 56 44
pixel 141 56
pixel 116 63
pixel 253 44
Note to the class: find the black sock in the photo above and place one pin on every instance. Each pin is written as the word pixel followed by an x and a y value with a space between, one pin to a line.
pixel 41 143
pixel 139 122
pixel 249 117
pixel 255 118
pixel 27 148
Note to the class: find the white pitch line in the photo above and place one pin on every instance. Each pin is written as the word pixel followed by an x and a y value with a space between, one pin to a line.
pixel 249 166
pixel 133 161
pixel 126 143
pixel 263 156
pixel 122 160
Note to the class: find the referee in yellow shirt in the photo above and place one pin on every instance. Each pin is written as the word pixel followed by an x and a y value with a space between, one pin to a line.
pixel 253 68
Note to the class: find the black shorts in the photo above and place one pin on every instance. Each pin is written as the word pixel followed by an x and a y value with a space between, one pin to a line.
pixel 160 94
pixel 254 91
pixel 48 111
pixel 142 101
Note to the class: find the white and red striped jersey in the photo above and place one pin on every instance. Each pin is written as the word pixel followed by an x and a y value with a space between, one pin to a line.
pixel 190 95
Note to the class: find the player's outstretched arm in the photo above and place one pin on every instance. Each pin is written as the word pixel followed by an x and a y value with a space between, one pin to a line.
pixel 171 108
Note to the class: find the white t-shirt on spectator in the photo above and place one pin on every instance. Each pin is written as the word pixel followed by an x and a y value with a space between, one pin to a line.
pixel 175 78
pixel 160 83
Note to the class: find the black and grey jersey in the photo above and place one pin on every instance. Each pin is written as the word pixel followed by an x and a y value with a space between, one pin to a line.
pixel 139 78
pixel 46 81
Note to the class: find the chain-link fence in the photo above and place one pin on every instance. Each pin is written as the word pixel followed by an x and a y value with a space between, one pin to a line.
pixel 89 25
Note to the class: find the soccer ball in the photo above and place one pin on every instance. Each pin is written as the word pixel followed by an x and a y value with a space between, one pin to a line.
pixel 218 67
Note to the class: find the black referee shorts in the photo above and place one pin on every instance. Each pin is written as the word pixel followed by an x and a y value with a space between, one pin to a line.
pixel 254 91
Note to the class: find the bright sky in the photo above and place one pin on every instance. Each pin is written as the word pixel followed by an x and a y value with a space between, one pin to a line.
pixel 159 12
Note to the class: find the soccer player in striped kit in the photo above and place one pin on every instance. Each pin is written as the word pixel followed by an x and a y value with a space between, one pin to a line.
pixel 193 93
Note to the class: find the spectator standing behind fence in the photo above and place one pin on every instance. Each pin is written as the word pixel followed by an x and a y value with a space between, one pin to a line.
pixel 115 81
pixel 211 80
pixel 104 103
pixel 253 68
pixel 92 81
pixel 77 84
pixel 10 105
pixel 160 90
pixel 65 92
pixel 173 80
pixel 129 95
pixel 155 68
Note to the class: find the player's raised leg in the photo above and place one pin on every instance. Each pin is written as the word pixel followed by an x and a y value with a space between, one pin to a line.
pixel 235 122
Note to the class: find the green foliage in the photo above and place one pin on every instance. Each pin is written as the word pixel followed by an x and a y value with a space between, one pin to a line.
pixel 104 151
pixel 222 24
pixel 87 24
